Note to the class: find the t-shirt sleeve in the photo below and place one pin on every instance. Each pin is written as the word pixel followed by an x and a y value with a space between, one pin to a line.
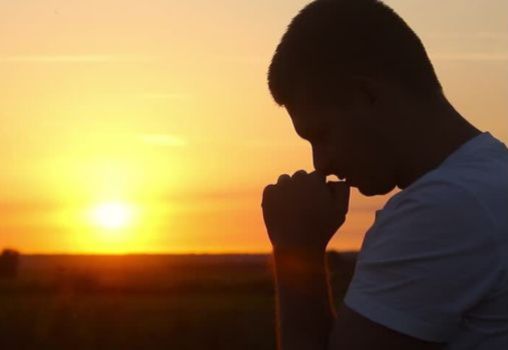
pixel 427 259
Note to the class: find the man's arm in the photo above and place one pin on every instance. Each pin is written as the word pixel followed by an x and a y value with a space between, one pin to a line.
pixel 301 214
pixel 305 313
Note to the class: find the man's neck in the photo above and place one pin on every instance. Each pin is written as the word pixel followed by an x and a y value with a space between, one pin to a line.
pixel 434 143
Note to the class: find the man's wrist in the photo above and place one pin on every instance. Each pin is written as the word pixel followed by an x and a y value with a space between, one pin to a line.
pixel 302 251
pixel 299 252
pixel 299 259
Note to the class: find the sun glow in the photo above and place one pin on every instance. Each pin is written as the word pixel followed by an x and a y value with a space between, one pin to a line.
pixel 113 226
pixel 113 215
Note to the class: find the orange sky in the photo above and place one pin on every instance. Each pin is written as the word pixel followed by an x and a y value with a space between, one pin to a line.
pixel 163 105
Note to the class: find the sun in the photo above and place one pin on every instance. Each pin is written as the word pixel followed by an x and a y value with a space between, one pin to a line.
pixel 112 215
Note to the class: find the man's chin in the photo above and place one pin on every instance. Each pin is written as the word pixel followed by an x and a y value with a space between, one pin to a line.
pixel 371 190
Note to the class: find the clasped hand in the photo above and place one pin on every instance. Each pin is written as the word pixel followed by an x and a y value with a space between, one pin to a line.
pixel 302 212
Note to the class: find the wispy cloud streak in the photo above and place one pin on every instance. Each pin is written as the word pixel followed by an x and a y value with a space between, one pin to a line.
pixel 88 58
pixel 466 56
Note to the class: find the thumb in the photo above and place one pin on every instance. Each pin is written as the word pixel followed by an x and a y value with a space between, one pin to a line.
pixel 340 193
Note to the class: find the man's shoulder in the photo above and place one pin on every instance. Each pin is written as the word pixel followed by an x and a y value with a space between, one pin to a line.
pixel 435 193
pixel 435 214
pixel 478 171
pixel 474 176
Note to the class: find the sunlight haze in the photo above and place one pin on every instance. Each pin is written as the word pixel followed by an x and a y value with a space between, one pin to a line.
pixel 155 117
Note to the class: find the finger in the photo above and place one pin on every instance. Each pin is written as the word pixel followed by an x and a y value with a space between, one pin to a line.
pixel 340 191
pixel 266 194
pixel 318 176
pixel 283 179
pixel 268 189
pixel 300 174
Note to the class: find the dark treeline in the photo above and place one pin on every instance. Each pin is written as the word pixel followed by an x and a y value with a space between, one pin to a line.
pixel 158 274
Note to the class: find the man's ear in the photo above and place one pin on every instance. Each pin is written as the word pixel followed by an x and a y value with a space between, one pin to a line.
pixel 366 91
pixel 366 95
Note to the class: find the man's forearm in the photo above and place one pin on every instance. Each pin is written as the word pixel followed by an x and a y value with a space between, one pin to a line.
pixel 304 309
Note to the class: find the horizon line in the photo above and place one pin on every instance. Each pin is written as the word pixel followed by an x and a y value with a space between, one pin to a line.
pixel 163 253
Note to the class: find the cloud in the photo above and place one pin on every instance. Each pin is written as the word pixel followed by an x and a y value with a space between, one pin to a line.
pixel 470 56
pixel 491 35
pixel 163 140
pixel 88 58
pixel 215 194
pixel 243 59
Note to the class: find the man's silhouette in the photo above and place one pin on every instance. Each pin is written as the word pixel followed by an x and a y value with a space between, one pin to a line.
pixel 433 269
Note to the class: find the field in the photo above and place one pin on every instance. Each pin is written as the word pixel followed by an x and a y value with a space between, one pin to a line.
pixel 146 302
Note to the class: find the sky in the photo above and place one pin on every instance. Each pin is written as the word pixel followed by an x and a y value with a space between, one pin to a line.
pixel 159 110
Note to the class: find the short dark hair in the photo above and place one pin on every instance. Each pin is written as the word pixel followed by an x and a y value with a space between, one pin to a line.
pixel 333 39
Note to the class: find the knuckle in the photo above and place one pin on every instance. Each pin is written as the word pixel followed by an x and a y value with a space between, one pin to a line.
pixel 300 173
pixel 317 175
pixel 283 180
pixel 268 189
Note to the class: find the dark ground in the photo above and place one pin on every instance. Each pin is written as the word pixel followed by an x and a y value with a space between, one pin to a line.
pixel 146 302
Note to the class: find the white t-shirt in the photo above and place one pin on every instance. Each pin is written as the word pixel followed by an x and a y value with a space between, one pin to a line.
pixel 434 265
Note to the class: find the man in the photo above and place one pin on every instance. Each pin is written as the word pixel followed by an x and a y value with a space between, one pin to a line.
pixel 433 269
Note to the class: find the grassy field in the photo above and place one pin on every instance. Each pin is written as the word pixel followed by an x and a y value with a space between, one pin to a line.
pixel 145 302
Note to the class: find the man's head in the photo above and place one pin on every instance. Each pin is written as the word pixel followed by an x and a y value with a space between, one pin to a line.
pixel 341 70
